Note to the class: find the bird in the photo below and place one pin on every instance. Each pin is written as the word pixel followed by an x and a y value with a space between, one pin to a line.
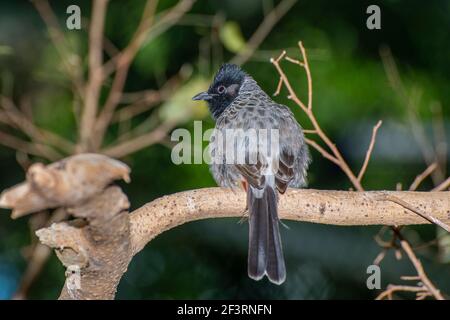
pixel 237 103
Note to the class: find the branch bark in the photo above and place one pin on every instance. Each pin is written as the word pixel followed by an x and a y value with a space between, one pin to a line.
pixel 345 208
pixel 92 92
pixel 99 245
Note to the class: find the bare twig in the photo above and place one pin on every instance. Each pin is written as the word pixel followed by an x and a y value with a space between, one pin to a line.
pixel 39 256
pixel 421 213
pixel 395 288
pixel 418 180
pixel 322 151
pixel 28 147
pixel 164 21
pixel 262 31
pixel 134 144
pixel 337 158
pixel 369 150
pixel 72 65
pixel 307 108
pixel 420 271
pixel 123 62
pixel 443 186
pixel 14 117
pixel 412 101
pixel 440 138
pixel 94 84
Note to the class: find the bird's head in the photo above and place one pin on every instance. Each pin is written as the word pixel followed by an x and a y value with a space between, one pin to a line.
pixel 223 90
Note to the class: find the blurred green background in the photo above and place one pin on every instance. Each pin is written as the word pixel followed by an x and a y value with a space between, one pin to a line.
pixel 207 259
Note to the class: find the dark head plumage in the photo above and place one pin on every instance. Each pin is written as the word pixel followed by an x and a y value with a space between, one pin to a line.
pixel 224 88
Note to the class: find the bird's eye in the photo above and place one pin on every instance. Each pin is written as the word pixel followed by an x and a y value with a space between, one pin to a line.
pixel 221 89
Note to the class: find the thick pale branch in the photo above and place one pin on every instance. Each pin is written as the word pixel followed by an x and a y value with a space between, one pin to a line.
pixel 68 182
pixel 106 235
pixel 344 208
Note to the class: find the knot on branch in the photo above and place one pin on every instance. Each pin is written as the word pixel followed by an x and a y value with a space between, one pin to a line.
pixel 99 250
pixel 95 246
pixel 65 183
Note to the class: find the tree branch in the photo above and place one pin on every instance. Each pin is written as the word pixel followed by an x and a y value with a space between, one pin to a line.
pixel 123 63
pixel 270 20
pixel 112 237
pixel 369 150
pixel 418 180
pixel 345 208
pixel 122 149
pixel 95 80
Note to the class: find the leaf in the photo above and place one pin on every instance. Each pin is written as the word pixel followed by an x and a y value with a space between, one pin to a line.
pixel 180 107
pixel 231 36
pixel 6 50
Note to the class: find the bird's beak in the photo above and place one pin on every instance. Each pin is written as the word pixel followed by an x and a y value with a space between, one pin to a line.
pixel 202 96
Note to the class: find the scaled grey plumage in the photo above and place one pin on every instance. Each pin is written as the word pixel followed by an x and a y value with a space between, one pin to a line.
pixel 237 102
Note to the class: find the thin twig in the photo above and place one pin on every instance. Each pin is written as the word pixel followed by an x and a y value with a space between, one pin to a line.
pixel 262 31
pixel 417 211
pixel 420 271
pixel 123 64
pixel 14 117
pixel 28 147
pixel 337 158
pixel 369 150
pixel 322 151
pixel 443 186
pixel 124 148
pixel 395 288
pixel 418 180
pixel 411 99
pixel 308 74
pixel 307 108
pixel 73 66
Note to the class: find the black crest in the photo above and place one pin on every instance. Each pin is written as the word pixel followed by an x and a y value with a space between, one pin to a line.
pixel 227 75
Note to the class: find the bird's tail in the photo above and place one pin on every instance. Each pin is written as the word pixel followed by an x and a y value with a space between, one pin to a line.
pixel 265 252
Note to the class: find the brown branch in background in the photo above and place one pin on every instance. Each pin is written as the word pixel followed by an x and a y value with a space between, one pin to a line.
pixel 411 99
pixel 337 157
pixel 123 60
pixel 14 117
pixel 369 151
pixel 439 135
pixel 420 271
pixel 38 257
pixel 391 289
pixel 122 64
pixel 262 31
pixel 95 79
pixel 110 237
pixel 418 180
pixel 443 186
pixel 122 149
pixel 168 18
pixel 150 99
pixel 36 149
pixel 322 151
pixel 142 101
pixel 308 110
pixel 72 65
